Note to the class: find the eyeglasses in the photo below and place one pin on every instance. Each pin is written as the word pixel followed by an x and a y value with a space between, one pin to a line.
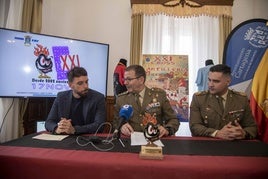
pixel 130 79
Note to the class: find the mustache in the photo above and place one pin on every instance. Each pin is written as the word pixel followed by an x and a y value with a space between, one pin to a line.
pixel 85 90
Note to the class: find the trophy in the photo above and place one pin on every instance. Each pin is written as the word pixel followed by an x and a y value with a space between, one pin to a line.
pixel 151 134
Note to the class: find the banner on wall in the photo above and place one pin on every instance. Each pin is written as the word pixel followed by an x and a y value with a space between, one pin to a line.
pixel 243 51
pixel 170 72
pixel 246 53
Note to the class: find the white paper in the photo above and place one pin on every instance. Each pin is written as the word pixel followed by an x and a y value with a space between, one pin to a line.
pixel 50 137
pixel 137 138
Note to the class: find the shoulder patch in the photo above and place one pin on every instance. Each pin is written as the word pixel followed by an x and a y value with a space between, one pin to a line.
pixel 154 89
pixel 239 93
pixel 122 94
pixel 201 93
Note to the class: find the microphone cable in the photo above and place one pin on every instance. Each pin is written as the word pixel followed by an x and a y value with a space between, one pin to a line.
pixel 93 140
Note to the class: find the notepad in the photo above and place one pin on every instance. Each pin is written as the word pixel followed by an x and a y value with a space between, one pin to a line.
pixel 137 138
pixel 50 137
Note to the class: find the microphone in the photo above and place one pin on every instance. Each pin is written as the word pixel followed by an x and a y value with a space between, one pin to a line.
pixel 124 115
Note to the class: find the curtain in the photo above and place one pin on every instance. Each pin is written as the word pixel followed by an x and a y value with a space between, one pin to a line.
pixel 136 38
pixel 32 22
pixel 186 11
pixel 9 107
pixel 20 15
pixel 195 36
pixel 4 6
pixel 32 16
pixel 225 27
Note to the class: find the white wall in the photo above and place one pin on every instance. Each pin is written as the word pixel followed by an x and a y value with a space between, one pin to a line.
pixel 109 21
pixel 105 21
pixel 249 9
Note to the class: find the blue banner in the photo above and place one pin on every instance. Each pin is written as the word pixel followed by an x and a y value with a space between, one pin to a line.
pixel 244 48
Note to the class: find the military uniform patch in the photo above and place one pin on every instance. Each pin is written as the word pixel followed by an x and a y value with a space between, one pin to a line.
pixel 122 94
pixel 239 93
pixel 201 93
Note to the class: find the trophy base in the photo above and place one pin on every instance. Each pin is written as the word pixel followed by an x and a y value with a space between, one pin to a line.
pixel 151 152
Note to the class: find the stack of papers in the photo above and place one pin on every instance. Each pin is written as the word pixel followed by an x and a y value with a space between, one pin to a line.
pixel 50 137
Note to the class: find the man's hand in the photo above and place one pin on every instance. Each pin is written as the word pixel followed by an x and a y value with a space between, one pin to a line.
pixel 231 132
pixel 162 131
pixel 65 127
pixel 126 129
pixel 238 131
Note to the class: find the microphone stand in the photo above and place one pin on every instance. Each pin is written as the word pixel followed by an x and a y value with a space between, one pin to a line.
pixel 117 135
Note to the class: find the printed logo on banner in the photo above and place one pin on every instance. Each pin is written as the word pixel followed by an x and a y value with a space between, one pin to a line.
pixel 243 51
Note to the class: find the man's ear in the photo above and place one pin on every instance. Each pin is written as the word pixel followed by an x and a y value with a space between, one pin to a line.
pixel 229 81
pixel 143 79
pixel 70 84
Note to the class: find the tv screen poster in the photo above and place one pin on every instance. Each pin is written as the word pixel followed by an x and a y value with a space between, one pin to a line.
pixel 35 65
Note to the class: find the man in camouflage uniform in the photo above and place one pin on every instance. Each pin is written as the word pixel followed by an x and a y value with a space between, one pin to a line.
pixel 221 112
pixel 145 101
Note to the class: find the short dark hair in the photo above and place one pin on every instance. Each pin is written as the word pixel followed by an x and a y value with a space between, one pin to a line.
pixel 76 72
pixel 209 62
pixel 226 70
pixel 123 61
pixel 139 70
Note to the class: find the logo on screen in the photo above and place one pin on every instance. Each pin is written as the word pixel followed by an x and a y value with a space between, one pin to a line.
pixel 43 63
pixel 27 40
pixel 64 61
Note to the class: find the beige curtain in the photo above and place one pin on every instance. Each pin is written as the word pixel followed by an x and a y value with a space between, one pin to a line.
pixel 32 16
pixel 138 10
pixel 151 9
pixel 11 13
pixel 136 39
pixel 31 22
pixel 225 29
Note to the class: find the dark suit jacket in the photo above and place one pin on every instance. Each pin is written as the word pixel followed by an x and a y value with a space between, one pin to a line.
pixel 94 111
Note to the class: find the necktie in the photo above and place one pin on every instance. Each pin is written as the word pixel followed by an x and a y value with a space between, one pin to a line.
pixel 140 99
pixel 220 101
pixel 137 99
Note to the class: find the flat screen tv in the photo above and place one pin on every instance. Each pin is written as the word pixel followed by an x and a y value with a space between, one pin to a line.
pixel 35 65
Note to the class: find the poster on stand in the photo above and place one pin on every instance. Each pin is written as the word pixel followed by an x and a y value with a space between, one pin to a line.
pixel 170 72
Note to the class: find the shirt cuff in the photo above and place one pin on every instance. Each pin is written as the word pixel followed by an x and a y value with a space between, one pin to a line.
pixel 214 133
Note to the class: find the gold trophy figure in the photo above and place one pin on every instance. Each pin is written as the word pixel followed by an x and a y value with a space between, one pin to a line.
pixel 151 134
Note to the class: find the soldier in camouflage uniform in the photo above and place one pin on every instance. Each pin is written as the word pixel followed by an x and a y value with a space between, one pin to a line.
pixel 228 119
pixel 144 100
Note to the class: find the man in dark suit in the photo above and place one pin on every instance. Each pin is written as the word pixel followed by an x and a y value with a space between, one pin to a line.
pixel 79 110
pixel 221 112
pixel 145 102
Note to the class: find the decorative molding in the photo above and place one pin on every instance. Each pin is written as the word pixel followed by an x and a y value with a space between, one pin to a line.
pixel 196 2
pixel 174 3
pixel 178 11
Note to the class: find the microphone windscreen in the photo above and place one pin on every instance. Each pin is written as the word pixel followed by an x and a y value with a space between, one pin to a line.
pixel 126 112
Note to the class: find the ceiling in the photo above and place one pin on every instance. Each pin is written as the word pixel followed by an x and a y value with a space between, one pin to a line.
pixel 201 2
